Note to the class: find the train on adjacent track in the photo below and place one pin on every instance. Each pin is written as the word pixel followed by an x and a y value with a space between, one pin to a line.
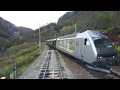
pixel 90 46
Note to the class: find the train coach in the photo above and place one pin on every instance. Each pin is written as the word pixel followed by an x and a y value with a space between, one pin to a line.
pixel 90 46
pixel 51 42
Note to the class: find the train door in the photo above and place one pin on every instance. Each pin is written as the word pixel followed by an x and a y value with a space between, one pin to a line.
pixel 81 48
pixel 87 51
pixel 77 48
pixel 84 50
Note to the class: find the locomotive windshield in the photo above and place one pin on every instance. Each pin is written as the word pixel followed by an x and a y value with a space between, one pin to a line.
pixel 103 43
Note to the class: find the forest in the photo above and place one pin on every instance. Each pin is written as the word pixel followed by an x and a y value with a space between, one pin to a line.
pixel 26 45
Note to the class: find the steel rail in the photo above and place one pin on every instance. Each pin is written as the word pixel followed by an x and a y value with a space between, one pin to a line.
pixel 55 73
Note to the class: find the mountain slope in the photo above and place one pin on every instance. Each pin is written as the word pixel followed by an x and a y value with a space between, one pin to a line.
pixel 66 18
pixel 10 34
pixel 101 20
pixel 23 30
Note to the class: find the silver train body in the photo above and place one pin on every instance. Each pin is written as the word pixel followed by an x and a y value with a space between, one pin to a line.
pixel 90 46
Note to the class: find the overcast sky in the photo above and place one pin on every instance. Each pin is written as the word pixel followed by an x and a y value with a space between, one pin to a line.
pixel 31 19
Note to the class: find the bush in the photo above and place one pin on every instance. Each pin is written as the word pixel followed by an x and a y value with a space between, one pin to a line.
pixel 119 36
pixel 24 61
pixel 26 54
pixel 6 71
pixel 17 48
pixel 118 50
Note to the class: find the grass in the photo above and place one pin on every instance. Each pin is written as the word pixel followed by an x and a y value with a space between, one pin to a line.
pixel 22 69
pixel 26 54
pixel 17 48
pixel 118 48
pixel 7 70
pixel 119 36
pixel 26 58
pixel 118 51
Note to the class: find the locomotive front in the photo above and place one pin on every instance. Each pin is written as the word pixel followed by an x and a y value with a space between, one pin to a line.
pixel 106 53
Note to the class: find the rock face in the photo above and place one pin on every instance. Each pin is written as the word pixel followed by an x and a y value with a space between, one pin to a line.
pixel 7 29
pixel 23 30
pixel 65 19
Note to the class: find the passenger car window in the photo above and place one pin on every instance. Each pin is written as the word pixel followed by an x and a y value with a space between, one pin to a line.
pixel 88 43
pixel 85 42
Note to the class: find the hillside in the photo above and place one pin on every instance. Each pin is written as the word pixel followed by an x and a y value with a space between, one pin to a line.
pixel 67 18
pixel 8 29
pixel 9 33
pixel 23 30
pixel 108 22
pixel 105 21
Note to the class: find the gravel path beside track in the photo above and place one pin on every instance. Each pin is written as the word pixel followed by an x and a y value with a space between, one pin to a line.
pixel 80 71
pixel 72 68
pixel 34 70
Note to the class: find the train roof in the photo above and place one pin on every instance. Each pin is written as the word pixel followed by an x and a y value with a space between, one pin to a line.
pixel 52 39
pixel 95 33
pixel 68 36
pixel 91 33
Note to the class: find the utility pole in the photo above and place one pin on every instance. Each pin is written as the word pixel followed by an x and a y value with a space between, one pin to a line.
pixel 75 28
pixel 14 62
pixel 13 74
pixel 39 40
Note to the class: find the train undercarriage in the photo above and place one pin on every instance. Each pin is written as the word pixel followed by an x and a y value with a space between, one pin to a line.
pixel 107 66
pixel 106 63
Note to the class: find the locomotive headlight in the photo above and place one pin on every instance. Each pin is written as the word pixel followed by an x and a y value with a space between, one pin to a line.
pixel 113 56
pixel 99 57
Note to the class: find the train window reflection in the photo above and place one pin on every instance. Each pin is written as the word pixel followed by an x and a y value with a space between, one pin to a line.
pixel 88 43
pixel 102 43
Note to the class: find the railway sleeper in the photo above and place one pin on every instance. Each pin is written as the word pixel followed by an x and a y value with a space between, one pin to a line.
pixel 52 74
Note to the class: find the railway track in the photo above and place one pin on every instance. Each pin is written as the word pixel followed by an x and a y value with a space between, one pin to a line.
pixel 51 68
pixel 80 69
pixel 52 64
